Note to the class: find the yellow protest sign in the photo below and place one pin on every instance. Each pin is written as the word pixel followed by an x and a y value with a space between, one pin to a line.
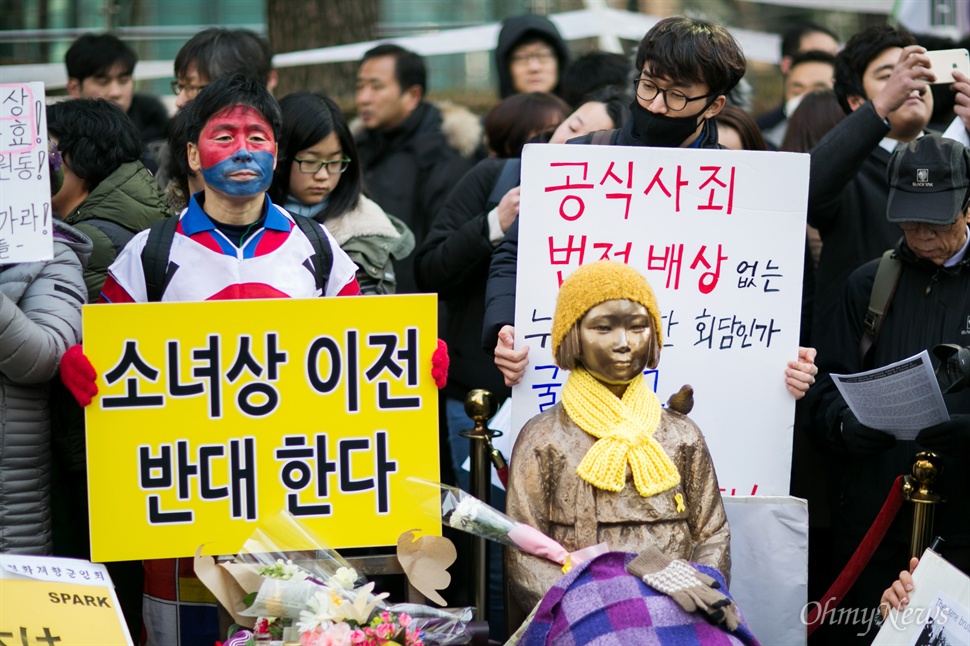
pixel 214 416
pixel 51 600
pixel 38 612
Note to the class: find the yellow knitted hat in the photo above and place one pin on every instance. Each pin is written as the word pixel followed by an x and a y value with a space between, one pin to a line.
pixel 597 283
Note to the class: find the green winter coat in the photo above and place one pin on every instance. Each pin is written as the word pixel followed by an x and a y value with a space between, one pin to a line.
pixel 126 202
pixel 372 238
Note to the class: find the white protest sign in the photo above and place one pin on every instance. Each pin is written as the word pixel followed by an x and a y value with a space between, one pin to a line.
pixel 720 236
pixel 26 230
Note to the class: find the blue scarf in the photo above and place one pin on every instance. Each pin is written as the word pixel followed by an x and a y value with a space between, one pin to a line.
pixel 294 205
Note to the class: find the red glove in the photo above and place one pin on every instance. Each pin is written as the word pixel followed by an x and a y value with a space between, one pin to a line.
pixel 439 365
pixel 79 375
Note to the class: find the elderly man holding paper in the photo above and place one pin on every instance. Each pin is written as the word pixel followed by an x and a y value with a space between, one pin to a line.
pixel 928 282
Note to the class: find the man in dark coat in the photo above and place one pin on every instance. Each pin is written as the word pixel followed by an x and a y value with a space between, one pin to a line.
pixel 409 166
pixel 929 189
pixel 882 80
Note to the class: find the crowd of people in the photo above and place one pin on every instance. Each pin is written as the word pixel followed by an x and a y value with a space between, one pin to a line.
pixel 419 196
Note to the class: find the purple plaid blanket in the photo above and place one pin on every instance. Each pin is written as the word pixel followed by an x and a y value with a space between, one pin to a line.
pixel 599 604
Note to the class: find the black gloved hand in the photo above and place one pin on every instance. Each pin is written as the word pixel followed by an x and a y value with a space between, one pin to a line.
pixel 863 440
pixel 953 373
pixel 949 438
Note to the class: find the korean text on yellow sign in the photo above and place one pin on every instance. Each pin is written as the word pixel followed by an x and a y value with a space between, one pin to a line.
pixel 214 416
pixel 41 612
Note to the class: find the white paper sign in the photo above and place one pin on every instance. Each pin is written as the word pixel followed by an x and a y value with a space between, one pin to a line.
pixel 901 399
pixel 55 569
pixel 26 229
pixel 938 611
pixel 720 236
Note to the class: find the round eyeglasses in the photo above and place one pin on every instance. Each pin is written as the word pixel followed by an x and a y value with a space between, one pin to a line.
pixel 190 90
pixel 675 100
pixel 311 166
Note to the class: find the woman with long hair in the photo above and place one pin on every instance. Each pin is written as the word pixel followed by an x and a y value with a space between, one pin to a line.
pixel 318 176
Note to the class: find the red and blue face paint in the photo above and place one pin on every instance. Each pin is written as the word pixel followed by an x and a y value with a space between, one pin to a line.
pixel 237 151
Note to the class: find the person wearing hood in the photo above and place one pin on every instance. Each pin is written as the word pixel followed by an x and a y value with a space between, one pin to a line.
pixel 106 193
pixel 530 56
pixel 318 176
pixel 412 152
pixel 40 317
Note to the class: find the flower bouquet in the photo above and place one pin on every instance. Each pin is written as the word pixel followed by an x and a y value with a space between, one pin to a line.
pixel 467 513
pixel 316 598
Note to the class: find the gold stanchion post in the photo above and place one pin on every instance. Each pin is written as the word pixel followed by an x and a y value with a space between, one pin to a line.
pixel 918 489
pixel 480 406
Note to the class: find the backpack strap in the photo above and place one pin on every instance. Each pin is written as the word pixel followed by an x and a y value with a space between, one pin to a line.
pixel 883 289
pixel 604 137
pixel 321 262
pixel 155 258
pixel 509 178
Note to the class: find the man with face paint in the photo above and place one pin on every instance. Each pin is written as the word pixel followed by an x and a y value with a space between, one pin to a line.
pixel 232 242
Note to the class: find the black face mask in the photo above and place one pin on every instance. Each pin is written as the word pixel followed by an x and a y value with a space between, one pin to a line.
pixel 661 130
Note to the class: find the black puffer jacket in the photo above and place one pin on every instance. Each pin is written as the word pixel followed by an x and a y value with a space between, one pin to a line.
pixel 453 261
pixel 409 171
pixel 514 30
pixel 931 306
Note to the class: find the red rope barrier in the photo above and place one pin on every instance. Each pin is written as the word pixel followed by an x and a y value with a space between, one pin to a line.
pixel 834 595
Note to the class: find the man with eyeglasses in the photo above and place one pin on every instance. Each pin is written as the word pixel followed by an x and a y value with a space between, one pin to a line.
pixel 929 199
pixel 210 55
pixel 685 69
pixel 530 56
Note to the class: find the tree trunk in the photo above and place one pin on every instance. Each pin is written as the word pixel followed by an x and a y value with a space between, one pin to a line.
pixel 295 25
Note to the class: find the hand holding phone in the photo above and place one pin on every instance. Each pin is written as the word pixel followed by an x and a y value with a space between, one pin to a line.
pixel 944 61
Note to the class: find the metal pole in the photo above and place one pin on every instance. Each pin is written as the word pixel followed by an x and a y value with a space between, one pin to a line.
pixel 480 407
pixel 917 488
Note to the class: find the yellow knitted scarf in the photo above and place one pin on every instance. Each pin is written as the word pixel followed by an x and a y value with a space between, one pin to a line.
pixel 624 430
